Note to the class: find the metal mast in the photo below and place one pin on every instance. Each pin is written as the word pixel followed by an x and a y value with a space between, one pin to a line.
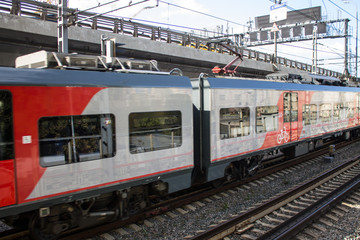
pixel 346 60
pixel 63 46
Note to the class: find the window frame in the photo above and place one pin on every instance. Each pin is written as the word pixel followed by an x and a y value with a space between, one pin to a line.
pixel 145 138
pixel 275 118
pixel 70 142
pixel 240 120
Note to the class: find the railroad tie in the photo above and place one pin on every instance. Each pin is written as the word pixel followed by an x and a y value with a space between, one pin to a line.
pixel 121 231
pixel 249 237
pixel 301 237
pixel 282 215
pixel 181 211
pixel 355 197
pixel 342 208
pixel 200 204
pixel 351 201
pixel 148 223
pixel 258 231
pixel 271 219
pixel 332 217
pixel 302 203
pixel 243 229
pixel 216 197
pixel 312 233
pixel 269 225
pixel 307 199
pixel 288 211
pixel 224 194
pixel 295 207
pixel 337 213
pixel 107 236
pixel 135 227
pixel 327 223
pixel 159 218
pixel 190 207
pixel 171 214
pixel 319 227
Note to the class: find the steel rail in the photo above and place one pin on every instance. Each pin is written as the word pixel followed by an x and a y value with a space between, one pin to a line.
pixel 246 218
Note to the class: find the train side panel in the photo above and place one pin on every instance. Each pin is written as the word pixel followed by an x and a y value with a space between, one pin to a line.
pixel 245 119
pixel 57 160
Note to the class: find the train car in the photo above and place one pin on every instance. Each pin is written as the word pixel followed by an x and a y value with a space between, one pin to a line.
pixel 242 120
pixel 80 147
pixel 77 147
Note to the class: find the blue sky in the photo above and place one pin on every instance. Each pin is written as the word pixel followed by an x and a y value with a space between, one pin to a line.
pixel 234 15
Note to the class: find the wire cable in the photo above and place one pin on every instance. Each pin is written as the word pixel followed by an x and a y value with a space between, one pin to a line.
pixel 209 15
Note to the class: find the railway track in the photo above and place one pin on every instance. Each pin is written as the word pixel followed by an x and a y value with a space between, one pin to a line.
pixel 194 197
pixel 287 214
pixel 191 197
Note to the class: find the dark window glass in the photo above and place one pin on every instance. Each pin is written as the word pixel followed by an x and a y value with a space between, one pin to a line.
pixel 267 119
pixel 152 131
pixel 71 139
pixel 6 126
pixel 234 122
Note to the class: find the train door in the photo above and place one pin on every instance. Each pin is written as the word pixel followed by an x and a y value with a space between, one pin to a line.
pixel 7 171
pixel 291 115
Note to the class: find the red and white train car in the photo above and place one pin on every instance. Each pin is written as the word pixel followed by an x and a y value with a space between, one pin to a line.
pixel 242 120
pixel 90 139
pixel 81 147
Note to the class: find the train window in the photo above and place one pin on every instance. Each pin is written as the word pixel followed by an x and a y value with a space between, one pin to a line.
pixel 267 118
pixel 71 139
pixel 339 111
pixel 152 131
pixel 350 110
pixel 234 122
pixel 6 126
pixel 290 107
pixel 309 114
pixel 325 112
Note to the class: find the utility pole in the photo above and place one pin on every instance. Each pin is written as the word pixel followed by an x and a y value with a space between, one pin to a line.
pixel 356 44
pixel 346 60
pixel 314 57
pixel 62 28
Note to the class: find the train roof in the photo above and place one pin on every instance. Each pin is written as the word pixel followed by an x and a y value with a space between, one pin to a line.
pixel 55 77
pixel 263 84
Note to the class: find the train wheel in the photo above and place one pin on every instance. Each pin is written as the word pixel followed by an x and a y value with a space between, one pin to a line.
pixel 59 219
pixel 39 229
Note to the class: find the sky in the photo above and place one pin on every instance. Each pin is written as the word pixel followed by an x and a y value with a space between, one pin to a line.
pixel 234 16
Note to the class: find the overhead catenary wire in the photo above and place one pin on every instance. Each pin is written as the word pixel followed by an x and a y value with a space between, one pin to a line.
pixel 205 14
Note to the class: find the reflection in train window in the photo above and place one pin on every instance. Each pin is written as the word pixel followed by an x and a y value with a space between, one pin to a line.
pixel 339 111
pixel 349 110
pixel 6 126
pixel 267 119
pixel 325 112
pixel 234 122
pixel 309 114
pixel 71 139
pixel 152 131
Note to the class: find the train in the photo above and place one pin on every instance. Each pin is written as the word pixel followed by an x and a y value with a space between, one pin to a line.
pixel 80 147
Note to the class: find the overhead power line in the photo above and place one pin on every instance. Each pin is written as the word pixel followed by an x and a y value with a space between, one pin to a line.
pixel 205 14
